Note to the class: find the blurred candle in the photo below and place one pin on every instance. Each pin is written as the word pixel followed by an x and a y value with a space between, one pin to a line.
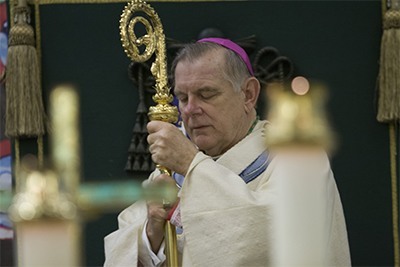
pixel 47 228
pixel 297 138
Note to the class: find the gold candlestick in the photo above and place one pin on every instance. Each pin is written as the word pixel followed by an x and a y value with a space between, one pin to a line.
pixel 152 42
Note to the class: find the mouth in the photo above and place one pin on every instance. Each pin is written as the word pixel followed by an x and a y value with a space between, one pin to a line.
pixel 200 130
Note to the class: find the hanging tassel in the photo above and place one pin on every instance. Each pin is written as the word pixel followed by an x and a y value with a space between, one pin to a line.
pixel 25 116
pixel 389 73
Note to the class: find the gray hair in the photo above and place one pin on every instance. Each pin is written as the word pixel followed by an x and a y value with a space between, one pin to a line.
pixel 235 70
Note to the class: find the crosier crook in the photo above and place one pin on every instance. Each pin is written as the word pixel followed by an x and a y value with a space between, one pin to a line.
pixel 154 42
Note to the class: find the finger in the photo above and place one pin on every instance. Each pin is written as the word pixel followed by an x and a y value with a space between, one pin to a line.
pixel 159 206
pixel 157 212
pixel 164 179
pixel 154 126
pixel 159 209
pixel 154 203
pixel 152 138
pixel 151 127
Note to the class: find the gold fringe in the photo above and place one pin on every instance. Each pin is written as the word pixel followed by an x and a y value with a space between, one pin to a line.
pixel 24 110
pixel 389 77
pixel 389 73
pixel 395 199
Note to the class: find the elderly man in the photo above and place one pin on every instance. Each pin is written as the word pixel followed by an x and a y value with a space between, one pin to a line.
pixel 227 177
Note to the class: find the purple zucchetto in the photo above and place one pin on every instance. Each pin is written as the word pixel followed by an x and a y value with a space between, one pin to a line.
pixel 231 46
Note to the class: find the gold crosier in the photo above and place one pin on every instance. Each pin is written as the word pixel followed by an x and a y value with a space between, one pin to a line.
pixel 152 42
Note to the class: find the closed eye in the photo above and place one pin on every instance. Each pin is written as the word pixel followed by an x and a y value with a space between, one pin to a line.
pixel 208 94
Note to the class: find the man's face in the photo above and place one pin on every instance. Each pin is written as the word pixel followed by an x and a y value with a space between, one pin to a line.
pixel 213 113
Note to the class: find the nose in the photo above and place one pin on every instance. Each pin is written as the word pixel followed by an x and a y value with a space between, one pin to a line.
pixel 192 106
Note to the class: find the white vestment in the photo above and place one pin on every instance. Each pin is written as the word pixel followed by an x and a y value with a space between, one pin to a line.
pixel 227 222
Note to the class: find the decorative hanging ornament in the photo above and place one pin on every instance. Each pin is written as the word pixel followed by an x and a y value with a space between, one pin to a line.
pixel 25 115
pixel 389 72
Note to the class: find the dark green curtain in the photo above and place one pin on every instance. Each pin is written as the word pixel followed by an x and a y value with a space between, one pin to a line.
pixel 336 42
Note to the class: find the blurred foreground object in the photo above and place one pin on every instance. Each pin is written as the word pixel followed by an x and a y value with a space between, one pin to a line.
pixel 299 135
pixel 50 204
pixel 298 116
pixel 47 227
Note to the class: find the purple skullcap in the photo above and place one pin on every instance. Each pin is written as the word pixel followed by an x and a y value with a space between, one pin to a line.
pixel 231 46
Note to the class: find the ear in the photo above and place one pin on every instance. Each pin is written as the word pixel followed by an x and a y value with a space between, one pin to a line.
pixel 251 91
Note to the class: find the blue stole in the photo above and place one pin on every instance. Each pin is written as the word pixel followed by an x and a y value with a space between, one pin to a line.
pixel 258 166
